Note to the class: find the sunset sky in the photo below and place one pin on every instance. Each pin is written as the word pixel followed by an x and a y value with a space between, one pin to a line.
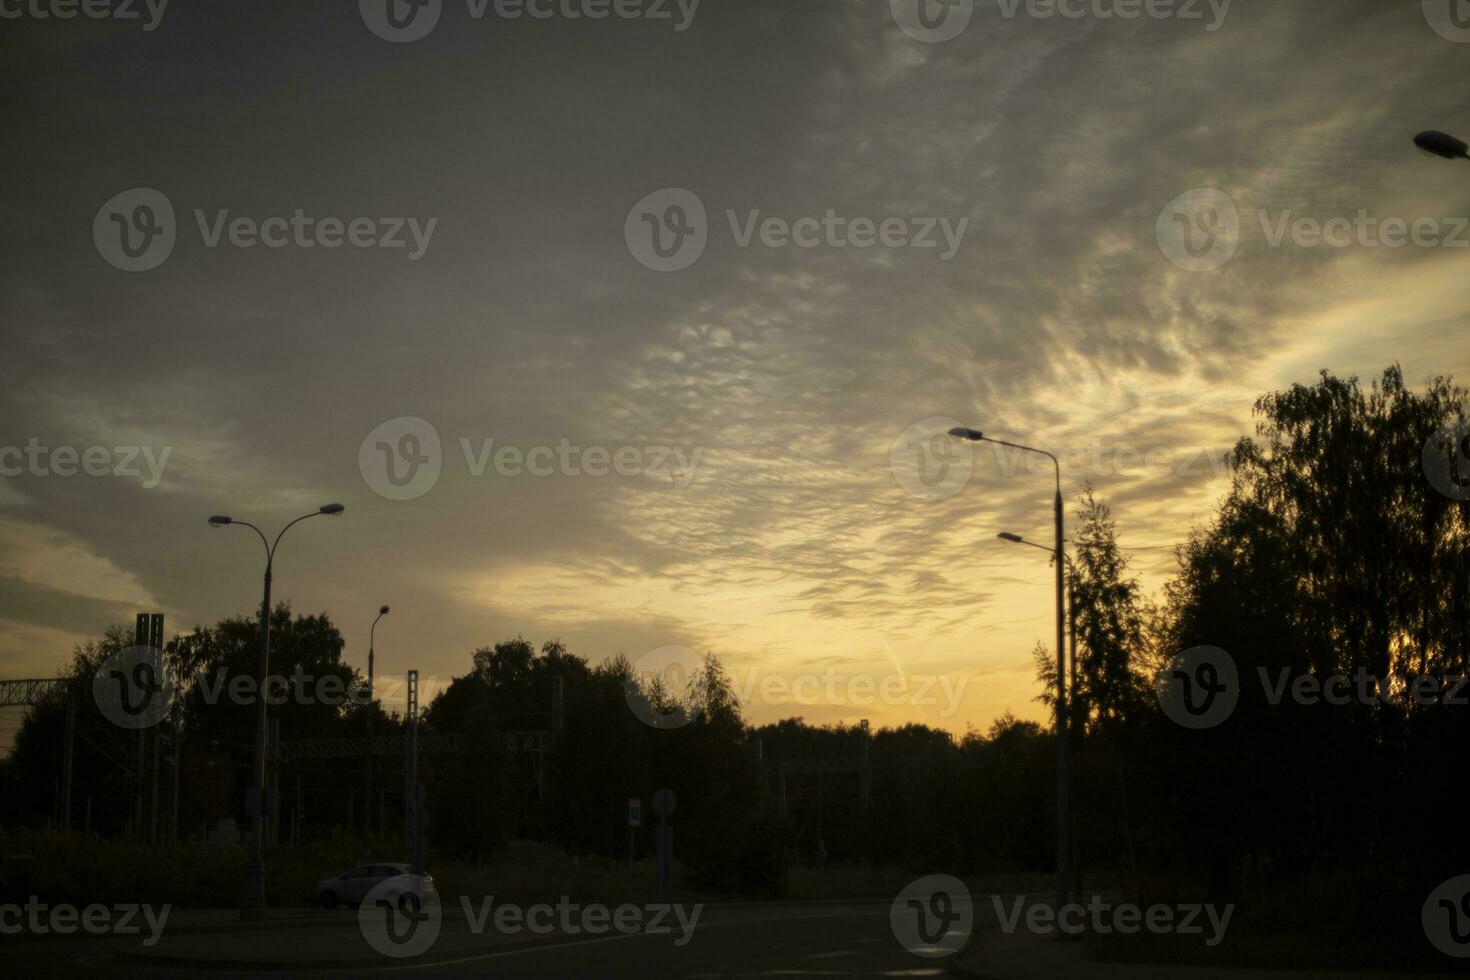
pixel 794 373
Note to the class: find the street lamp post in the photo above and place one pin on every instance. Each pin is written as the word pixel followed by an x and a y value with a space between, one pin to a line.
pixel 367 787
pixel 1436 144
pixel 252 908
pixel 1063 832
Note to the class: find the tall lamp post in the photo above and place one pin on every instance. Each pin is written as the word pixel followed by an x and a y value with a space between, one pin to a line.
pixel 1436 144
pixel 252 908
pixel 367 787
pixel 1063 832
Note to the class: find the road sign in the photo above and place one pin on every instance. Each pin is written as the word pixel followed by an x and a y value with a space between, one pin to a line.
pixel 635 813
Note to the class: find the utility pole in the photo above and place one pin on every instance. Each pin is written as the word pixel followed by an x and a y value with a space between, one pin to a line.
pixel 173 824
pixel 411 776
pixel 71 734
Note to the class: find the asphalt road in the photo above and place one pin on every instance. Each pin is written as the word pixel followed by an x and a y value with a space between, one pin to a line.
pixel 791 940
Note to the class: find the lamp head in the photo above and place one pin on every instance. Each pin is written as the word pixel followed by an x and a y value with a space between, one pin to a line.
pixel 383 611
pixel 219 520
pixel 1013 538
pixel 1434 143
pixel 966 435
pixel 331 510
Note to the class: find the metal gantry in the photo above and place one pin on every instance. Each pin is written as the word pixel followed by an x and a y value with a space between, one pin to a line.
pixel 24 693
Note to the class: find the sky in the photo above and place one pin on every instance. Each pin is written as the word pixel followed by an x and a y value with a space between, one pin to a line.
pixel 264 256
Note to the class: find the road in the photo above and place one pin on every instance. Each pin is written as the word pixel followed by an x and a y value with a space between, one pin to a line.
pixel 783 939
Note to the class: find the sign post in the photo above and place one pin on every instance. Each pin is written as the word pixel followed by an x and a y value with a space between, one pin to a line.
pixel 635 820
pixel 663 805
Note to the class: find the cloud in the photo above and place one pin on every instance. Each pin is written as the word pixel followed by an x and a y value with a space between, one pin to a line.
pixel 1059 322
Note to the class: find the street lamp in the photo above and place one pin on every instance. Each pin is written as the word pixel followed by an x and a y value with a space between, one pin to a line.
pixel 1433 143
pixel 1063 834
pixel 382 611
pixel 252 909
pixel 367 785
pixel 1071 604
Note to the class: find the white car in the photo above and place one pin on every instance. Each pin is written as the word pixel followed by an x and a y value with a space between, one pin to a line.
pixel 352 887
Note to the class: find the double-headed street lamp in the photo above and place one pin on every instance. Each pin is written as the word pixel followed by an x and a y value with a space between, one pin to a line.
pixel 252 908
pixel 1436 144
pixel 1063 833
